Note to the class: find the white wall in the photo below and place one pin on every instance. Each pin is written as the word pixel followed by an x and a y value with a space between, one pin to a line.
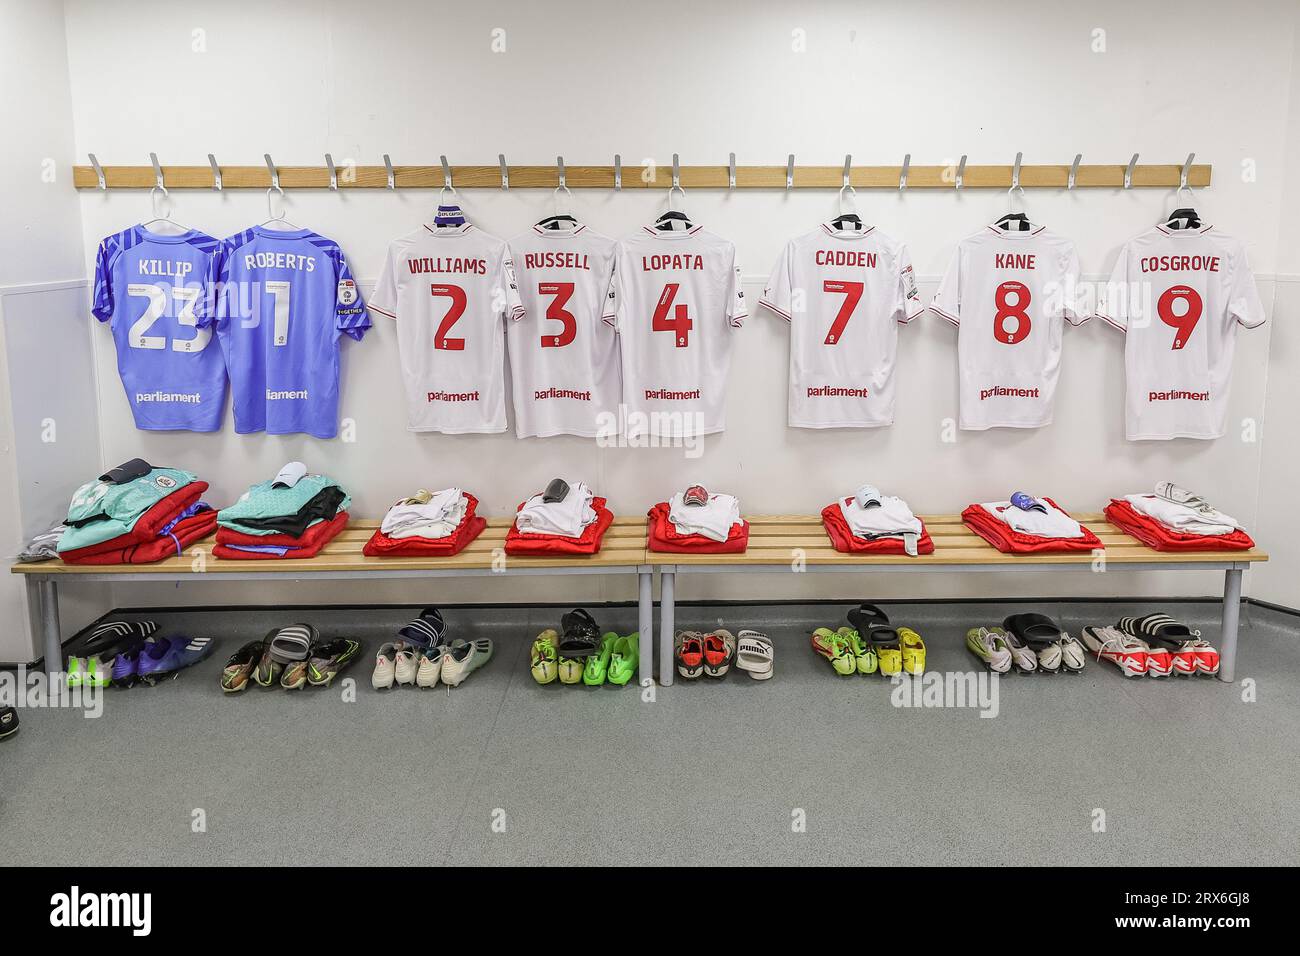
pixel 45 362
pixel 1278 581
pixel 590 79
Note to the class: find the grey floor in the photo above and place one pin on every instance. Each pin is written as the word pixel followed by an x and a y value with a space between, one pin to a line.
pixel 501 770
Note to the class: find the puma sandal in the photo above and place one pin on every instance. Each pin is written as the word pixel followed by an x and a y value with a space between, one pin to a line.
pixel 754 654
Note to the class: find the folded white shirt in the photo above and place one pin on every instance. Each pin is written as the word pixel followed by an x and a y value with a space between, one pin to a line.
pixel 440 527
pixel 1181 517
pixel 1054 523
pixel 433 513
pixel 714 519
pixel 565 518
pixel 891 517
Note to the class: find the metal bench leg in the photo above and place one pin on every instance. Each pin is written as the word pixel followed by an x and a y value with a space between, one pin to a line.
pixel 43 593
pixel 1231 618
pixel 667 613
pixel 645 611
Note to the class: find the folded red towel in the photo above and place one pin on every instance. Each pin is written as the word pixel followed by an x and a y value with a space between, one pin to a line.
pixel 1153 534
pixel 382 546
pixel 471 526
pixel 1009 541
pixel 842 537
pixel 551 545
pixel 146 528
pixel 662 535
pixel 173 544
pixel 308 546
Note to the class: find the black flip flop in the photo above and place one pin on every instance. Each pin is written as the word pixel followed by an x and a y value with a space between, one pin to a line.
pixel 1158 629
pixel 427 630
pixel 579 634
pixel 872 625
pixel 1033 628
pixel 112 637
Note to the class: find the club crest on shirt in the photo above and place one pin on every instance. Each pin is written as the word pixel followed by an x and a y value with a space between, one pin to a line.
pixel 347 291
pixel 164 481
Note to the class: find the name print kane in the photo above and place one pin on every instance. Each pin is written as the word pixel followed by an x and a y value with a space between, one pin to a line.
pixel 1014 260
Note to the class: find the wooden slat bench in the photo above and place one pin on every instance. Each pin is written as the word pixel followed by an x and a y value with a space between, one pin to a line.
pixel 799 543
pixel 622 552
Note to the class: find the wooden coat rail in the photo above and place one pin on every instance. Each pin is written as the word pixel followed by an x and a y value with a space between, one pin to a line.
pixel 602 177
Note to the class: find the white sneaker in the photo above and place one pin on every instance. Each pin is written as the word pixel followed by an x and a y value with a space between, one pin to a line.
pixel 1049 658
pixel 430 666
pixel 463 658
pixel 385 668
pixel 1024 659
pixel 407 663
pixel 990 647
pixel 1073 656
pixel 1111 644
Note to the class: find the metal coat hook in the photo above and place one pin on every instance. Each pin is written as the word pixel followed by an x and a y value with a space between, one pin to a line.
pixel 157 173
pixel 902 175
pixel 845 184
pixel 961 171
pixel 1015 172
pixel 1187 168
pixel 99 171
pixel 559 166
pixel 446 174
pixel 789 172
pixel 334 174
pixel 731 171
pixel 1128 172
pixel 1074 170
pixel 392 179
pixel 216 172
pixel 677 173
pixel 275 173
pixel 618 171
pixel 505 171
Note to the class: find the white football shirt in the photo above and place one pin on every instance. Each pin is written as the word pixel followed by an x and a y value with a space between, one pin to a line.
pixel 1007 292
pixel 448 288
pixel 675 301
pixel 1179 295
pixel 563 357
pixel 844 293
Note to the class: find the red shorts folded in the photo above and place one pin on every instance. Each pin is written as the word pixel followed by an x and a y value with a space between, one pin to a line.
pixel 1009 541
pixel 662 535
pixel 183 534
pixel 555 545
pixel 307 546
pixel 1153 534
pixel 471 526
pixel 146 527
pixel 842 537
pixel 382 546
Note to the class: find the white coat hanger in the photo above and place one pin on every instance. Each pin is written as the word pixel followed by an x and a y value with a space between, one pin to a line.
pixel 273 220
pixel 158 191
